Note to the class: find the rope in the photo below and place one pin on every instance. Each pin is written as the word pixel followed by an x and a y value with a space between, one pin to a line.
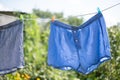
pixel 101 10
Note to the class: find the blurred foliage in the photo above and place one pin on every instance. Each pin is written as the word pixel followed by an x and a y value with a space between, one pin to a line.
pixel 35 50
pixel 74 21
pixel 46 14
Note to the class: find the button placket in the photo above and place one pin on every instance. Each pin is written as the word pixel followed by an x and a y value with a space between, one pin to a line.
pixel 77 42
pixel 75 34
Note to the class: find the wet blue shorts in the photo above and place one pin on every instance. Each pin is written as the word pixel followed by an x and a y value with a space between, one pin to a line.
pixel 11 47
pixel 81 48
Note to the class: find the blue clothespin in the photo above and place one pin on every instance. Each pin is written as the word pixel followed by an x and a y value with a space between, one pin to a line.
pixel 98 9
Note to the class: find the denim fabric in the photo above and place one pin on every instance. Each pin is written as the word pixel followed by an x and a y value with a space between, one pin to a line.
pixel 82 48
pixel 11 47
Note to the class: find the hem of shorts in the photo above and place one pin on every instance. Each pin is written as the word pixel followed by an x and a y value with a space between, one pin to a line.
pixel 96 65
pixel 11 24
pixel 67 26
pixel 84 73
pixel 7 71
pixel 61 67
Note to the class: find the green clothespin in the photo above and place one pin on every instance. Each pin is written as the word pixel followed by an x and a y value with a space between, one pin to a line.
pixel 98 9
pixel 21 17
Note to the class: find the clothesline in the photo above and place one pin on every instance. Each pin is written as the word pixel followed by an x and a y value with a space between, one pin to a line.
pixel 88 13
pixel 101 10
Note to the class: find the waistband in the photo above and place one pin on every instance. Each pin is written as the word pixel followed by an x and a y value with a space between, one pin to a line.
pixel 67 26
pixel 12 24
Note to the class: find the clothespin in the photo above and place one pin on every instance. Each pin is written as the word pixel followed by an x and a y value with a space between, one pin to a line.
pixel 98 9
pixel 53 18
pixel 21 17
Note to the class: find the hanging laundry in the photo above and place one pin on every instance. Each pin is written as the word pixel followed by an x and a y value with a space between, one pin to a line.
pixel 11 47
pixel 82 48
pixel 5 19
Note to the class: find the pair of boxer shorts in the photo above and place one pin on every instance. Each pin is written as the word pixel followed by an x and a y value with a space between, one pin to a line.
pixel 11 47
pixel 81 48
